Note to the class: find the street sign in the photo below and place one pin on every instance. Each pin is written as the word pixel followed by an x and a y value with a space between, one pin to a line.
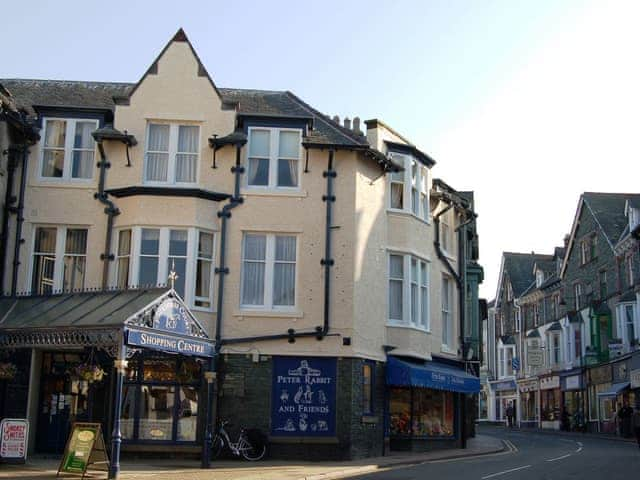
pixel 535 357
pixel 515 363
pixel 14 434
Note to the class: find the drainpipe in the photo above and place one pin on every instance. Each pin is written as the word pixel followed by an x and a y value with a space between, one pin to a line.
pixel 9 199
pixel 110 210
pixel 20 220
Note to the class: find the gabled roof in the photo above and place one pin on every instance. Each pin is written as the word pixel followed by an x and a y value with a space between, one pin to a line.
pixel 519 268
pixel 608 211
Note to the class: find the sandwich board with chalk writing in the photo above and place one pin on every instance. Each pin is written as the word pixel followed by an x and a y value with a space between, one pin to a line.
pixel 85 450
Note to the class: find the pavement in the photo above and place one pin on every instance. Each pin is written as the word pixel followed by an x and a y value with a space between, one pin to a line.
pixel 163 469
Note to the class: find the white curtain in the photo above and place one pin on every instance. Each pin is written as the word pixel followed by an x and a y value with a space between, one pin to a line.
pixel 253 269
pixel 157 153
pixel 284 271
pixel 288 154
pixel 187 156
pixel 259 146
pixel 54 140
pixel 396 274
pixel 396 195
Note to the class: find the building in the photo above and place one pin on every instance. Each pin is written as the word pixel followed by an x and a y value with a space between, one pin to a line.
pixel 575 328
pixel 318 274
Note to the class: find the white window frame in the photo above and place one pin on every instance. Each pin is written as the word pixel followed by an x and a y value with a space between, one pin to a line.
pixel 622 322
pixel 505 361
pixel 163 260
pixel 174 128
pixel 629 270
pixel 447 312
pixel 58 269
pixel 270 261
pixel 551 337
pixel 197 258
pixel 70 129
pixel 420 185
pixel 407 282
pixel 274 151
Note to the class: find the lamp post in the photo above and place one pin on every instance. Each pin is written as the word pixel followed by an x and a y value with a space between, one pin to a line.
pixel 210 376
pixel 116 435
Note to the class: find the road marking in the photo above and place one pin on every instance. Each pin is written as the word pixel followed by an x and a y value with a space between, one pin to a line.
pixel 506 471
pixel 559 458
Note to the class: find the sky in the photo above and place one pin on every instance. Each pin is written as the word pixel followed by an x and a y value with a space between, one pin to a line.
pixel 527 103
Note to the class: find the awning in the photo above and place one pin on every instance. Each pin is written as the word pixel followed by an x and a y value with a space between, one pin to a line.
pixel 430 375
pixel 615 389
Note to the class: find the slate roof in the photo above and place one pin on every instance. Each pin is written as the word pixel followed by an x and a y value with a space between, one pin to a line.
pixel 100 95
pixel 519 268
pixel 608 209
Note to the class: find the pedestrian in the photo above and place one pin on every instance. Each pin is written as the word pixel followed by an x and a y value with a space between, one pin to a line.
pixel 636 424
pixel 624 414
pixel 510 414
pixel 564 420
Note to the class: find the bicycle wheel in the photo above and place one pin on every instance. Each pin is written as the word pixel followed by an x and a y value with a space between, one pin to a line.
pixel 216 447
pixel 251 452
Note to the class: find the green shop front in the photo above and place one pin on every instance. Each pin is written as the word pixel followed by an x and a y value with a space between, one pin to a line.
pixel 426 403
pixel 134 361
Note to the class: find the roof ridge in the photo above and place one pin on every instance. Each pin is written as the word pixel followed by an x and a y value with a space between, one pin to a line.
pixel 77 82
pixel 335 126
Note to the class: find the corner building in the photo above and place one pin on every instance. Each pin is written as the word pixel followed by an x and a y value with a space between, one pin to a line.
pixel 319 270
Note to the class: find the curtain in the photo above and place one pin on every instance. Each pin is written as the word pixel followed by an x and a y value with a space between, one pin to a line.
pixel 259 146
pixel 76 241
pixel 253 269
pixel 157 153
pixel 83 151
pixel 284 271
pixel 54 141
pixel 258 172
pixel 396 275
pixel 45 240
pixel 396 195
pixel 288 154
pixel 187 156
pixel 287 173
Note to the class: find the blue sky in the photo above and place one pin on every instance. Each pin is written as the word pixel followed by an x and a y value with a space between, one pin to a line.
pixel 528 103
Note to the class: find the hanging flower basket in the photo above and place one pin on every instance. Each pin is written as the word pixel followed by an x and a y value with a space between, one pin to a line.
pixel 89 373
pixel 7 371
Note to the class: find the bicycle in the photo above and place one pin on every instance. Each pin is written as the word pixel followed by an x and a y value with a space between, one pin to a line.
pixel 251 444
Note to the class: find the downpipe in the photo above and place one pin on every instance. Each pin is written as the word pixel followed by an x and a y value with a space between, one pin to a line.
pixel 9 200
pixel 19 221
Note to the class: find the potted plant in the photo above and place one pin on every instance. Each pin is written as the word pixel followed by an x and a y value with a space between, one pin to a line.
pixel 89 373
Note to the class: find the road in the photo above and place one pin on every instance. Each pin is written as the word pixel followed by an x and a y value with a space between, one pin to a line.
pixel 534 456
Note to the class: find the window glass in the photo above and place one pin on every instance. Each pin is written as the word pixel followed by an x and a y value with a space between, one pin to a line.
pixel 157 153
pixel 53 150
pixel 188 414
pixel 75 259
pixel 284 271
pixel 177 260
pixel 432 413
pixel 187 154
pixel 259 143
pixel 288 156
pixel 124 253
pixel 253 269
pixel 157 404
pixel 446 314
pixel 397 185
pixel 414 291
pixel 159 370
pixel 127 417
pixel 44 258
pixel 83 153
pixel 367 391
pixel 415 193
pixel 149 250
pixel 396 277
pixel 400 411
pixel 204 270
pixel 259 153
pixel 424 295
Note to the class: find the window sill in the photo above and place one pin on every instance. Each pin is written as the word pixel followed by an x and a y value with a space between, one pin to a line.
pixel 409 327
pixel 446 349
pixel 274 192
pixel 406 213
pixel 269 313
pixel 80 184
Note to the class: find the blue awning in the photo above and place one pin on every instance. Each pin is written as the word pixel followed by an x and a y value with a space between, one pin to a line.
pixel 615 389
pixel 430 375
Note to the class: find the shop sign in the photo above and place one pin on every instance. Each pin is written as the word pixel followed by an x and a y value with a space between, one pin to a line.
pixel 303 397
pixel 528 386
pixel 535 358
pixel 14 433
pixel 572 382
pixel 85 447
pixel 549 382
pixel 634 377
pixel 621 372
pixel 167 343
pixel 503 386
pixel 600 374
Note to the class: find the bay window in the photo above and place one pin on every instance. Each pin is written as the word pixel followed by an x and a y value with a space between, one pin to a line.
pixel 68 149
pixel 274 157
pixel 171 154
pixel 412 183
pixel 627 324
pixel 268 271
pixel 505 360
pixel 447 320
pixel 408 291
pixel 554 348
pixel 59 259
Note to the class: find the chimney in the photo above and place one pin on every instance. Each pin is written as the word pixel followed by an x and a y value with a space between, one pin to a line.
pixel 347 123
pixel 566 240
pixel 336 119
pixel 356 125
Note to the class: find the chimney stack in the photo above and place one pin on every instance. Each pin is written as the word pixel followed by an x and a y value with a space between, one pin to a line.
pixel 356 125
pixel 347 123
pixel 336 119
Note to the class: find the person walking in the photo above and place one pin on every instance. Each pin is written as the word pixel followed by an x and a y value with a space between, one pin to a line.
pixel 636 424
pixel 510 415
pixel 625 414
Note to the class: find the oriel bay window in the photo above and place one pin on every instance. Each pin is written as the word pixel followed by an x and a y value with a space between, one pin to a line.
pixel 160 399
pixel 59 259
pixel 145 256
pixel 408 291
pixel 268 271
pixel 274 157
pixel 68 149
pixel 412 183
pixel 172 153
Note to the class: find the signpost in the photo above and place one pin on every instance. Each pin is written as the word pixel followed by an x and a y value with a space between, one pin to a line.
pixel 14 434
pixel 85 449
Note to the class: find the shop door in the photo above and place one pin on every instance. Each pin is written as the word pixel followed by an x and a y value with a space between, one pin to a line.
pixel 63 400
pixel 504 404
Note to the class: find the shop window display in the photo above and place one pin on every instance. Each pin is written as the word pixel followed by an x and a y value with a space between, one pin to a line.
pixel 421 412
pixel 550 405
pixel 529 412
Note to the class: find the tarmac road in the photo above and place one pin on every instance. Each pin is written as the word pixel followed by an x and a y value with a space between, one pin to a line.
pixel 533 456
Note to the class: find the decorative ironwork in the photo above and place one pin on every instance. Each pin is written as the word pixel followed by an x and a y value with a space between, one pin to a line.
pixel 104 339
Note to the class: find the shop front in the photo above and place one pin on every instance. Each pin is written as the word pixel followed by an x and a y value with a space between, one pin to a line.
pixel 529 403
pixel 425 404
pixel 573 401
pixel 132 361
pixel 601 407
pixel 550 412
pixel 634 379
pixel 505 394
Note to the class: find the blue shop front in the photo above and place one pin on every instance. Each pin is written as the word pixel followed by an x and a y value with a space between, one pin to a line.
pixel 132 360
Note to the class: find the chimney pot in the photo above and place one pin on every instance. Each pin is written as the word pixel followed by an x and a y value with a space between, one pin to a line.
pixel 347 123
pixel 336 119
pixel 356 125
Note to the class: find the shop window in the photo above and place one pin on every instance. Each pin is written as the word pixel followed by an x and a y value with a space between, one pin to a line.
pixel 400 411
pixel 59 259
pixel 368 369
pixel 433 413
pixel 160 399
pixel 550 405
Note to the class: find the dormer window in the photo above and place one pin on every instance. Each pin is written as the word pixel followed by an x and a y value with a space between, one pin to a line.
pixel 68 150
pixel 539 278
pixel 274 157
pixel 172 154
pixel 409 188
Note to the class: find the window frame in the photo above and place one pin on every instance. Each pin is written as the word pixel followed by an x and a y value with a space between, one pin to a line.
pixel 407 320
pixel 68 150
pixel 505 362
pixel 623 322
pixel 172 152
pixel 269 268
pixel 420 186
pixel 274 156
pixel 371 386
pixel 447 314
pixel 59 255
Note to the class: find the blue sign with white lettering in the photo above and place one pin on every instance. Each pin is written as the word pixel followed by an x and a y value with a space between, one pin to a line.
pixel 169 343
pixel 515 363
pixel 303 397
